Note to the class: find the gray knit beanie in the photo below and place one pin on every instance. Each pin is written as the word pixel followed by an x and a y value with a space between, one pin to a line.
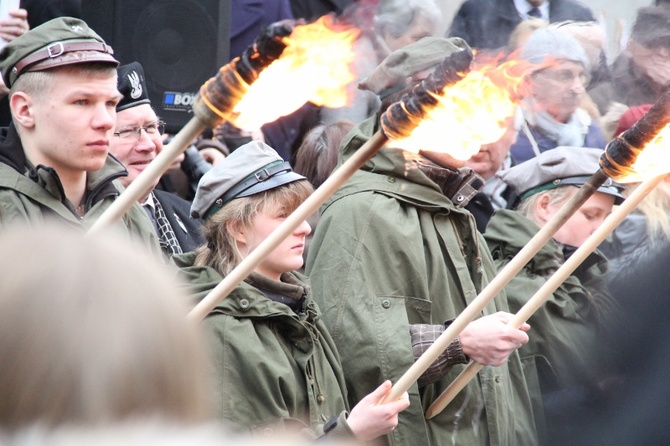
pixel 548 42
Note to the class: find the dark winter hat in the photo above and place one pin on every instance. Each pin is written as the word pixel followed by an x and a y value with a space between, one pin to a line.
pixel 252 168
pixel 562 166
pixel 132 86
pixel 554 43
pixel 392 74
pixel 652 26
pixel 58 42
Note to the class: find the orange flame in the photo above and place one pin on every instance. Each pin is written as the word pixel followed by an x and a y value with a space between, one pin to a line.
pixel 315 67
pixel 471 112
pixel 652 161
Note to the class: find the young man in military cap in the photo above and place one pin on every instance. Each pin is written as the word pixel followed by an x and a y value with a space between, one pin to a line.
pixel 138 138
pixel 395 256
pixel 54 160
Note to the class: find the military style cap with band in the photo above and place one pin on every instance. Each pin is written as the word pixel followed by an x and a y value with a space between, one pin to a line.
pixel 58 42
pixel 252 168
pixel 562 166
pixel 132 85
pixel 393 73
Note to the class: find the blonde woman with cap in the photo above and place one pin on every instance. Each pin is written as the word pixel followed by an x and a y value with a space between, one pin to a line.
pixel 276 365
pixel 560 367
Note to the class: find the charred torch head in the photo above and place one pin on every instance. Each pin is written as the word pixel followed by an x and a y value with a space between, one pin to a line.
pixel 400 69
pixel 219 94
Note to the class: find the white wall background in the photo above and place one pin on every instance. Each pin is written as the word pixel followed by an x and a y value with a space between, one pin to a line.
pixel 618 17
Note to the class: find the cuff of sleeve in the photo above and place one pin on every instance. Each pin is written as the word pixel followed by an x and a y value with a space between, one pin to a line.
pixel 341 429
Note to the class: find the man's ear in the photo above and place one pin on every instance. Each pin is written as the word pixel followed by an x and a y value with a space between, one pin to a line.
pixel 21 105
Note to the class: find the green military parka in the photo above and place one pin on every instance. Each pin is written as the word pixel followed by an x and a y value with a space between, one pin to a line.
pixel 274 369
pixel 565 329
pixel 31 196
pixel 391 250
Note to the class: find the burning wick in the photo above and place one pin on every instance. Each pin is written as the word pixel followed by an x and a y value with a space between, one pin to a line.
pixel 471 112
pixel 290 66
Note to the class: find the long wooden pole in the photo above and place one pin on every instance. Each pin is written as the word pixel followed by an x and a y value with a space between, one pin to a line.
pixel 495 286
pixel 307 208
pixel 551 285
pixel 145 180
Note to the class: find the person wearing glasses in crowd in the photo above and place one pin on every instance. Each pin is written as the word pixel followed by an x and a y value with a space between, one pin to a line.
pixel 138 138
pixel 54 156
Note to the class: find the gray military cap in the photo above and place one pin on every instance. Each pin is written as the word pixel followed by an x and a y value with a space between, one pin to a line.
pixel 252 168
pixel 562 166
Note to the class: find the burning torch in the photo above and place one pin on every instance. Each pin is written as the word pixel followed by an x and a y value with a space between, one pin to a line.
pixel 400 119
pixel 633 155
pixel 221 97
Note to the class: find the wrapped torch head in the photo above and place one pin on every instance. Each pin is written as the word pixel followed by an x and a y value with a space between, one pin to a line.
pixel 622 152
pixel 219 95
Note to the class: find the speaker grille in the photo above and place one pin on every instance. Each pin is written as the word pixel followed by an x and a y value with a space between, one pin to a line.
pixel 180 44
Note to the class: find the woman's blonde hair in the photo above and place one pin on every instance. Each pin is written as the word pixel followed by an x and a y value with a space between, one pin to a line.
pixel 557 196
pixel 220 250
pixel 93 332
pixel 656 207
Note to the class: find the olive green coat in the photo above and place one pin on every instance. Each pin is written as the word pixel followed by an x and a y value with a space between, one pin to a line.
pixel 391 250
pixel 273 368
pixel 31 197
pixel 566 327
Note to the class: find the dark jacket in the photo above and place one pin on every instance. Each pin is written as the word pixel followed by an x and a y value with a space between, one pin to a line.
pixel 487 24
pixel 392 250
pixel 178 212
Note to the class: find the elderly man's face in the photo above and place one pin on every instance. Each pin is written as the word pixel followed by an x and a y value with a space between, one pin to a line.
pixel 559 89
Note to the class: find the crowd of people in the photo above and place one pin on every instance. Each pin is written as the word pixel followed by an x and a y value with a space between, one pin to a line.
pixel 96 344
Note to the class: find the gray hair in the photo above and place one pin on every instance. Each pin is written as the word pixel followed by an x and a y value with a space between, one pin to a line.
pixel 396 16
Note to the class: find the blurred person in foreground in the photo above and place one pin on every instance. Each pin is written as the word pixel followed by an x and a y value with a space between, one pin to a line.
pixel 95 333
pixel 276 367
pixel 563 371
pixel 54 157
pixel 396 257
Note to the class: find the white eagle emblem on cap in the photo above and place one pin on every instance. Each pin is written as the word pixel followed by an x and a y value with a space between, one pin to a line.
pixel 136 85
pixel 77 28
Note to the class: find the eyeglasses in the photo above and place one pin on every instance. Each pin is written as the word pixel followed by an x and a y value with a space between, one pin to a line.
pixel 132 133
pixel 561 76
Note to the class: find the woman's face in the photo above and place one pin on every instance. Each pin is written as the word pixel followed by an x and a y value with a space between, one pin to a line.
pixel 287 256
pixel 584 222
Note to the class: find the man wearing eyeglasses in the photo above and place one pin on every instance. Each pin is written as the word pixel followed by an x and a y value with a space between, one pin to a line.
pixel 136 141
pixel 557 86
pixel 54 156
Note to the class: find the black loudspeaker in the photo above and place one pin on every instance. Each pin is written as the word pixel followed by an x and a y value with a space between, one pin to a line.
pixel 180 44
